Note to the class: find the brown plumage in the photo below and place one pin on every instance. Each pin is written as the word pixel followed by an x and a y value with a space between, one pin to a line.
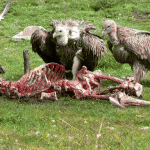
pixel 129 46
pixel 5 10
pixel 70 43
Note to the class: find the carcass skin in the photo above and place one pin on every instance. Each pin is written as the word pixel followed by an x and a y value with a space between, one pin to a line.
pixel 123 45
pixel 70 43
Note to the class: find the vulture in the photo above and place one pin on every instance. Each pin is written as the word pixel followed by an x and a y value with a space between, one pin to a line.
pixel 130 46
pixel 5 10
pixel 69 43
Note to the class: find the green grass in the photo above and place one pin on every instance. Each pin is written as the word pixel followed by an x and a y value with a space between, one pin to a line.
pixel 71 123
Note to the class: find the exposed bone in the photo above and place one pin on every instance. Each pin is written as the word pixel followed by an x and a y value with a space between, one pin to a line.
pixel 49 95
pixel 126 100
pixel 44 82
pixel 34 82
pixel 114 102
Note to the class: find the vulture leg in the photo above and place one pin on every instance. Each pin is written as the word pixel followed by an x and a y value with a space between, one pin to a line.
pixel 77 60
pixel 139 71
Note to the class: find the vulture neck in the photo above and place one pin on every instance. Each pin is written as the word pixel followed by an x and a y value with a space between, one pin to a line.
pixel 113 37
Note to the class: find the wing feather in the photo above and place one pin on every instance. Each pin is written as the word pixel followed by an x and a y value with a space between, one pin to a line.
pixel 139 45
pixel 94 43
pixel 43 43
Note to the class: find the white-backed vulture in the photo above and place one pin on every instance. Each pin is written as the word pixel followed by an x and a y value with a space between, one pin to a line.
pixel 70 43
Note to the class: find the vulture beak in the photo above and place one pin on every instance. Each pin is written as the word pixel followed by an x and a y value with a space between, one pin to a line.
pixel 54 35
pixel 104 33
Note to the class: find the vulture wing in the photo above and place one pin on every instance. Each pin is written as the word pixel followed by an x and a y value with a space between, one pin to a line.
pixel 138 44
pixel 92 42
pixel 43 43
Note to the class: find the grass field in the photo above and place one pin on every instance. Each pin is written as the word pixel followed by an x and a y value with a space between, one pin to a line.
pixel 70 124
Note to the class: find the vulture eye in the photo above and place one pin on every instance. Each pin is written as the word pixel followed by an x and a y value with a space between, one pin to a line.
pixel 70 32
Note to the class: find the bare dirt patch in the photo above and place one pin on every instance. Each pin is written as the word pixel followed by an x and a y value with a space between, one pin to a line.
pixel 140 16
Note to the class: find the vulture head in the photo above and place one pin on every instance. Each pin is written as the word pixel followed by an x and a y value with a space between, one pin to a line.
pixel 110 29
pixel 65 30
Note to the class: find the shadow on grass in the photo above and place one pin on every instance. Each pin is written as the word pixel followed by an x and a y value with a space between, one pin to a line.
pixel 64 101
pixel 145 82
pixel 27 101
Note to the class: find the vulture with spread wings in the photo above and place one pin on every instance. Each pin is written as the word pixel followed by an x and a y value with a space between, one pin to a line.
pixel 70 43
